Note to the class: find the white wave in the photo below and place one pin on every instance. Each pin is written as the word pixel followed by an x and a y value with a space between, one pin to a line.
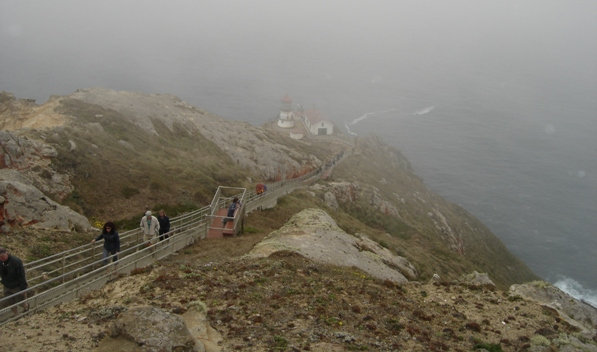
pixel 361 118
pixel 349 131
pixel 368 115
pixel 425 111
pixel 364 117
pixel 576 290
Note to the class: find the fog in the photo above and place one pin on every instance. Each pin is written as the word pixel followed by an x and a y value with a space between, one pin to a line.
pixel 513 82
pixel 326 52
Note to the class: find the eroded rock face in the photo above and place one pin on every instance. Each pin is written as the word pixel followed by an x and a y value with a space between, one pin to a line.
pixel 154 330
pixel 25 113
pixel 342 193
pixel 24 205
pixel 574 311
pixel 32 159
pixel 315 235
pixel 330 200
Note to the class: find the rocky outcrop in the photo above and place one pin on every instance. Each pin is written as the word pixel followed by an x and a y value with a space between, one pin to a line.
pixel 340 193
pixel 315 235
pixel 206 338
pixel 32 159
pixel 154 330
pixel 577 313
pixel 17 114
pixel 21 204
pixel 330 200
pixel 478 280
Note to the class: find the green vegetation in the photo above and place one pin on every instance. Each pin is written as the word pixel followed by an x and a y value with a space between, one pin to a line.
pixel 127 192
pixel 280 343
pixel 491 347
pixel 120 168
pixel 45 243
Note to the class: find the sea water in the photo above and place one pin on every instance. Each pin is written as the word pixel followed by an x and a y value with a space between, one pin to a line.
pixel 532 181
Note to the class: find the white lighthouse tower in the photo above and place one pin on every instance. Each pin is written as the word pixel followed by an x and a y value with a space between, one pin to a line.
pixel 286 117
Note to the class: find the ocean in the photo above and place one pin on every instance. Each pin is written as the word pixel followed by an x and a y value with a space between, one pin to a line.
pixel 534 184
pixel 492 102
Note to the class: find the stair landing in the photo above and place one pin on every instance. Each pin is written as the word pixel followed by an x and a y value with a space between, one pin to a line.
pixel 215 227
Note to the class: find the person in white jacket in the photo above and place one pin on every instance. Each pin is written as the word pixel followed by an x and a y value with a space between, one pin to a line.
pixel 150 227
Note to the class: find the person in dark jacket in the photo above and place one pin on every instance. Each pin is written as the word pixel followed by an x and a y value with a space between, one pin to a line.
pixel 13 277
pixel 231 209
pixel 111 241
pixel 164 224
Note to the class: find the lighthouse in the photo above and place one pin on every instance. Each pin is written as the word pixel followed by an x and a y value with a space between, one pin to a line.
pixel 286 117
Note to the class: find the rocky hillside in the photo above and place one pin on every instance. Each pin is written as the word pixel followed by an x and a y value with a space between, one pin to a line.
pixel 110 154
pixel 251 293
pixel 437 236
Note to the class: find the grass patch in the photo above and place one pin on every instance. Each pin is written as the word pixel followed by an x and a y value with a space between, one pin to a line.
pixel 491 347
pixel 127 192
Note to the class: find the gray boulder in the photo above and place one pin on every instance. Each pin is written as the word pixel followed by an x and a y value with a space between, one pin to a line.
pixel 154 329
pixel 24 205
pixel 477 279
pixel 315 235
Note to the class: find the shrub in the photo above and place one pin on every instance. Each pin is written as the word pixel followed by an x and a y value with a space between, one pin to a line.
pixel 127 192
pixel 40 250
pixel 491 347
pixel 280 343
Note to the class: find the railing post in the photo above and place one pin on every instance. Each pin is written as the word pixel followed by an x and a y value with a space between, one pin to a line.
pixel 63 268
pixel 93 246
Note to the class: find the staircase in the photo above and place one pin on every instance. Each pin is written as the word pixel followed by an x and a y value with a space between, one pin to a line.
pixel 75 272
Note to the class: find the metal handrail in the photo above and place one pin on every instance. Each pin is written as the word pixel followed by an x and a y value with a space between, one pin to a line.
pixel 44 268
pixel 89 271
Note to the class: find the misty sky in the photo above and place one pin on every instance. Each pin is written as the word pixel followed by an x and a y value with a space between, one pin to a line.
pixel 197 49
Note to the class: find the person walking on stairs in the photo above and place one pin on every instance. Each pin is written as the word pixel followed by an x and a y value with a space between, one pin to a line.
pixel 14 280
pixel 231 209
pixel 164 224
pixel 150 226
pixel 111 242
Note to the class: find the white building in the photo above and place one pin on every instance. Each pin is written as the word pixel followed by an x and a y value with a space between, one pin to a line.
pixel 316 124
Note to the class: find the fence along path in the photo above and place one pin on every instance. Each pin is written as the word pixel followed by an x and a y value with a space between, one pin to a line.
pixel 75 272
